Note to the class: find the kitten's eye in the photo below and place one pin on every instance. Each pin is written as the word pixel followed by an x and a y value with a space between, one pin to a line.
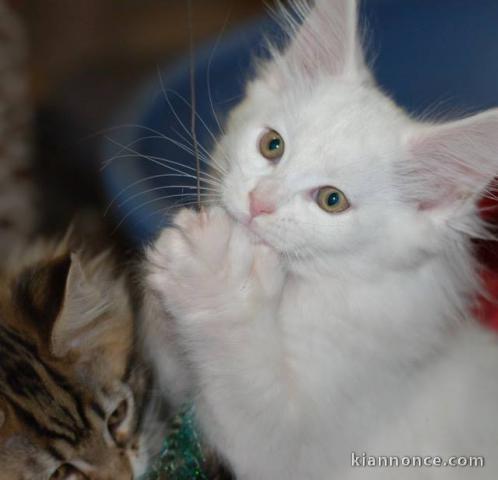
pixel 272 146
pixel 116 420
pixel 67 472
pixel 332 200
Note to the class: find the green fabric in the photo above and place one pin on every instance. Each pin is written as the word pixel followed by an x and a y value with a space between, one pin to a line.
pixel 182 456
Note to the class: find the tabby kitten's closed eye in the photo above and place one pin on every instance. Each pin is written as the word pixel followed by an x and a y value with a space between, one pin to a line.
pixel 74 402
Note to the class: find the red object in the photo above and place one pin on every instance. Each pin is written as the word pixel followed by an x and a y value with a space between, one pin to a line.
pixel 488 308
pixel 488 254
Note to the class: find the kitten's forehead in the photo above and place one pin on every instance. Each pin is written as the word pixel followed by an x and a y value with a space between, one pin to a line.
pixel 337 109
pixel 333 114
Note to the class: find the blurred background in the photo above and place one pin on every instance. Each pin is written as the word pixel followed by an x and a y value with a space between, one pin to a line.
pixel 89 54
pixel 87 60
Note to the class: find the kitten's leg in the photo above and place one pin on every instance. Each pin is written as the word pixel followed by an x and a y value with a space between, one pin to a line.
pixel 223 292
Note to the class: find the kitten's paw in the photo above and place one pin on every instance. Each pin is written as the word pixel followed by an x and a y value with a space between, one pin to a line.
pixel 207 263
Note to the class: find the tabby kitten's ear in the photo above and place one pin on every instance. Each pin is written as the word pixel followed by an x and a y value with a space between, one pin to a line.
pixel 39 292
pixel 80 312
pixel 94 325
pixel 77 327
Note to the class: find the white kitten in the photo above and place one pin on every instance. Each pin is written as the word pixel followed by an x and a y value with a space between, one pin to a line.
pixel 329 311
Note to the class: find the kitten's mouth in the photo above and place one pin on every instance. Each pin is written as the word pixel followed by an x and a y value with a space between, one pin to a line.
pixel 256 235
pixel 249 223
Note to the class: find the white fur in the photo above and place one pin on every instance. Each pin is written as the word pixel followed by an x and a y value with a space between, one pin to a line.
pixel 308 336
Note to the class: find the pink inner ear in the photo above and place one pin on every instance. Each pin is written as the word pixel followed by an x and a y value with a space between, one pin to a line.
pixel 456 161
pixel 448 153
pixel 436 172
pixel 432 204
pixel 325 41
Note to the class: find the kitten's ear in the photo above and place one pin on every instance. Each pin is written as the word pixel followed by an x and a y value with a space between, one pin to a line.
pixel 93 327
pixel 83 303
pixel 39 292
pixel 324 40
pixel 453 164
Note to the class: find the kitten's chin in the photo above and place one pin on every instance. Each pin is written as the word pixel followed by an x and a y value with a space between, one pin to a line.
pixel 259 240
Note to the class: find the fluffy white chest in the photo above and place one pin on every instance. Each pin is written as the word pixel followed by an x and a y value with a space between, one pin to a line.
pixel 381 393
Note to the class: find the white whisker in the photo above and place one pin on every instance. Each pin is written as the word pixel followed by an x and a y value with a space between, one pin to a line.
pixel 149 202
pixel 166 163
pixel 164 187
pixel 136 183
pixel 215 140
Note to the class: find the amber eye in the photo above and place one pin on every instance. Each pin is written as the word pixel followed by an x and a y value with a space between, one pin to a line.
pixel 332 200
pixel 67 472
pixel 116 420
pixel 272 146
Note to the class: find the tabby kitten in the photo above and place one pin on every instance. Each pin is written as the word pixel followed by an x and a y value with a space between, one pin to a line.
pixel 17 212
pixel 74 402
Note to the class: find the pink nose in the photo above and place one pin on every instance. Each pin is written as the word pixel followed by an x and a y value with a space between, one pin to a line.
pixel 258 206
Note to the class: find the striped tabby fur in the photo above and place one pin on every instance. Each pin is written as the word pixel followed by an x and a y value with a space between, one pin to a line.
pixel 74 403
